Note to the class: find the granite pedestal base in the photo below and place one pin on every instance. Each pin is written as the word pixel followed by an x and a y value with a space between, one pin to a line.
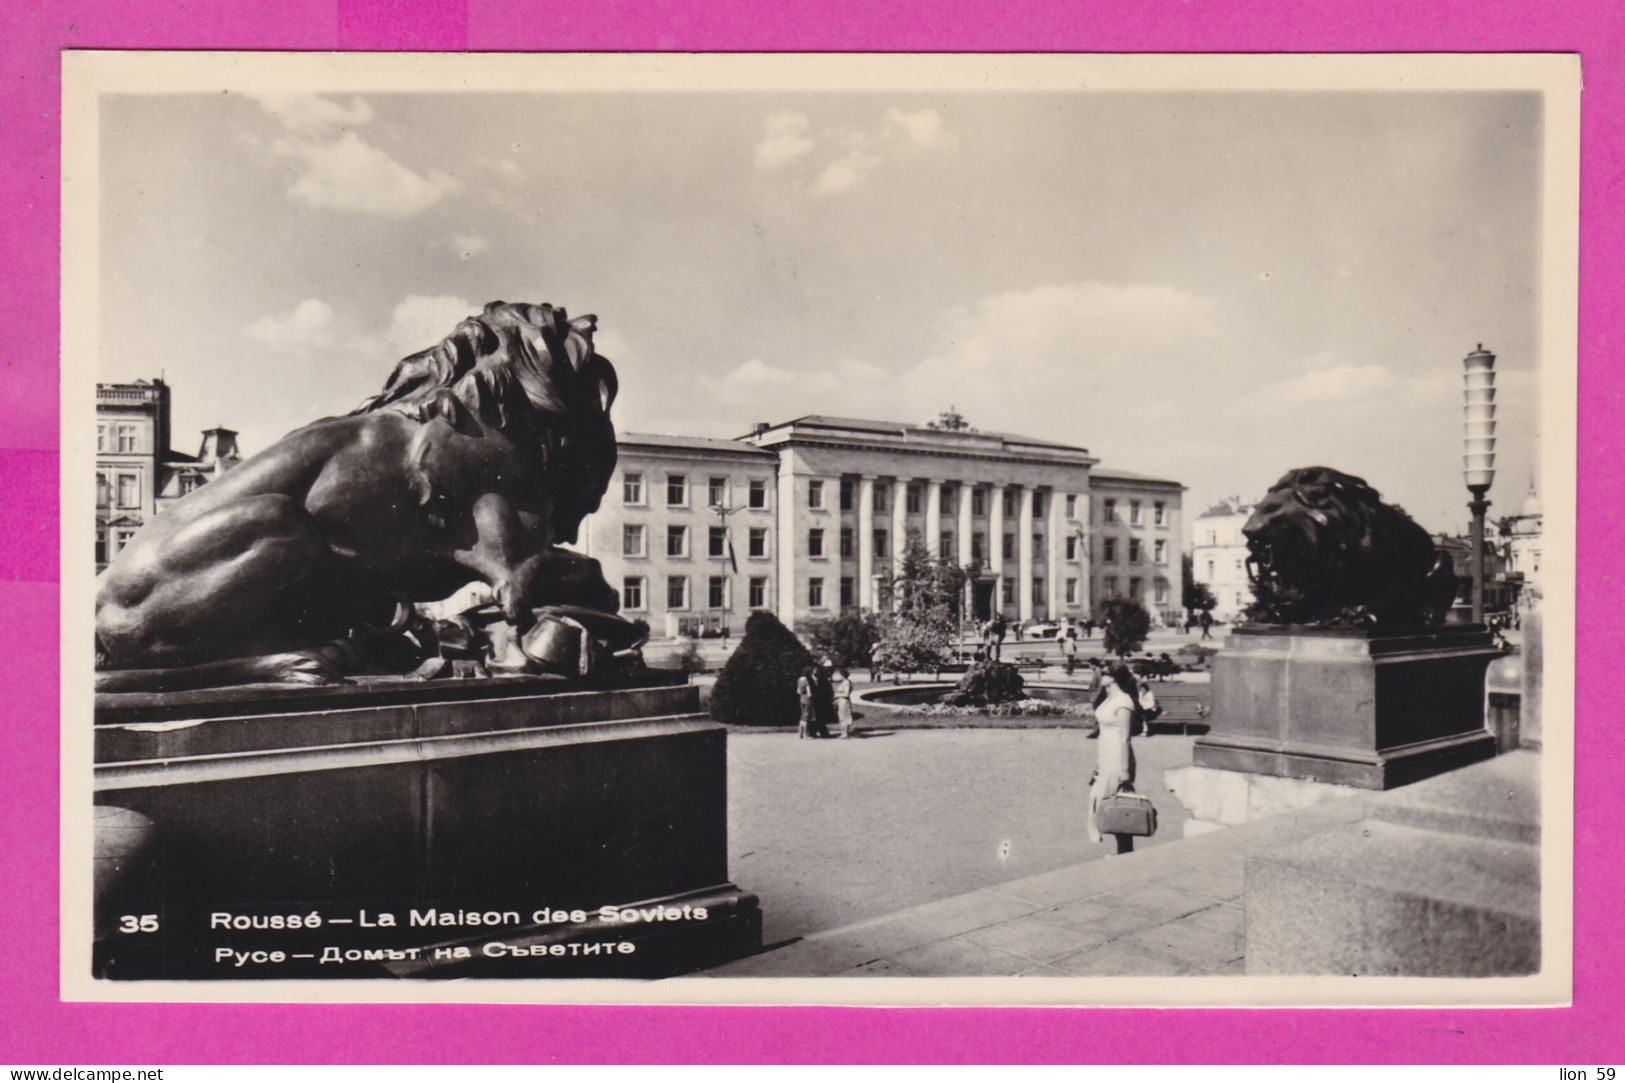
pixel 1345 707
pixel 419 823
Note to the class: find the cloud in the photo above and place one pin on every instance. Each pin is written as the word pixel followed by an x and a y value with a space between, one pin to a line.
pixel 309 326
pixel 339 170
pixel 786 140
pixel 923 129
pixel 843 174
pixel 420 321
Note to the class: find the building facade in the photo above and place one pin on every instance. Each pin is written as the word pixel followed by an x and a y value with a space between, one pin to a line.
pixel 687 532
pixel 807 519
pixel 1219 556
pixel 1136 538
pixel 137 473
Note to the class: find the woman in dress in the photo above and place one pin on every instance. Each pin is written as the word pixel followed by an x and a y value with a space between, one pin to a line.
pixel 1115 708
pixel 843 701
pixel 804 693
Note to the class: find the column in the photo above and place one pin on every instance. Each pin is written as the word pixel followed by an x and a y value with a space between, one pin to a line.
pixel 1024 554
pixel 899 520
pixel 933 517
pixel 1058 568
pixel 995 543
pixel 966 527
pixel 866 542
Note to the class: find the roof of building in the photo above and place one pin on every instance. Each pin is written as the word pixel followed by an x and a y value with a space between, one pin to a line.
pixel 1230 505
pixel 693 443
pixel 904 428
pixel 1114 474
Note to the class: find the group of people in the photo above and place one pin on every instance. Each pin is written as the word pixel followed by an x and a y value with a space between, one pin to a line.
pixel 826 697
pixel 1204 618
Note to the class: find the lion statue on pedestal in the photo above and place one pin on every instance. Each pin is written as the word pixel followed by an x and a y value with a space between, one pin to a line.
pixel 1323 549
pixel 476 460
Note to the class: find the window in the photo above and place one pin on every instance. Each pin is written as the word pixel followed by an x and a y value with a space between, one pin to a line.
pixel 716 493
pixel 1038 590
pixel 950 498
pixel 1213 537
pixel 632 592
pixel 846 494
pixel 978 545
pixel 102 490
pixel 717 592
pixel 1038 503
pixel 677 592
pixel 880 544
pixel 758 592
pixel 1162 590
pixel 913 499
pixel 846 543
pixel 815 543
pixel 1133 513
pixel 815 592
pixel 126 437
pixel 1159 514
pixel 1108 511
pixel 1160 551
pixel 632 541
pixel 101 437
pixel 880 495
pixel 1134 550
pixel 815 493
pixel 717 545
pixel 129 491
pixel 122 537
pixel 758 493
pixel 101 546
pixel 758 541
pixel 1008 594
pixel 1038 543
pixel 1109 555
pixel 1110 583
pixel 632 489
pixel 848 599
pixel 188 483
pixel 1136 590
pixel 676 491
pixel 1238 565
pixel 945 545
pixel 1009 503
pixel 978 501
pixel 1071 506
pixel 1210 571
pixel 1072 547
pixel 1071 591
pixel 1009 547
pixel 677 541
pixel 1238 598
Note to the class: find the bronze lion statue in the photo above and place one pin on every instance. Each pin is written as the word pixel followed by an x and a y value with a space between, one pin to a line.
pixel 479 456
pixel 1323 549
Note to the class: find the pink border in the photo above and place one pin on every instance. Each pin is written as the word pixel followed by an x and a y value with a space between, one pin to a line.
pixel 36 1028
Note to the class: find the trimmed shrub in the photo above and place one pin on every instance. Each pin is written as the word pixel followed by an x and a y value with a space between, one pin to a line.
pixel 987 683
pixel 1127 625
pixel 757 686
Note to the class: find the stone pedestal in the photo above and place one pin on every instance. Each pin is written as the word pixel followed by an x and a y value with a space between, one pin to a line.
pixel 1345 707
pixel 421 822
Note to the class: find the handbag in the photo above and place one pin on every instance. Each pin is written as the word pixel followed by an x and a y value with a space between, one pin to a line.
pixel 1125 813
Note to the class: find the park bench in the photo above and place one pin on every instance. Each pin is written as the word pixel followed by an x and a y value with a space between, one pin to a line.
pixel 1182 709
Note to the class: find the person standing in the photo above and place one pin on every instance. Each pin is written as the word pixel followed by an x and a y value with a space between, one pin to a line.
pixel 1115 710
pixel 1069 647
pixel 1207 625
pixel 843 702
pixel 804 692
pixel 823 706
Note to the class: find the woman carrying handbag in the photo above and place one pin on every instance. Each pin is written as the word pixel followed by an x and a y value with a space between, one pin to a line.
pixel 1114 809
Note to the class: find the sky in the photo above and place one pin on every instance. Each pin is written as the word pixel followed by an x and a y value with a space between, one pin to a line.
pixel 1209 287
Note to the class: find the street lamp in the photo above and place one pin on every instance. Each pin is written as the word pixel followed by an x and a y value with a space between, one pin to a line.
pixel 1478 459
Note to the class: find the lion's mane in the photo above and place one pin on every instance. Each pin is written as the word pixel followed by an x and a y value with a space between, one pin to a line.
pixel 1323 549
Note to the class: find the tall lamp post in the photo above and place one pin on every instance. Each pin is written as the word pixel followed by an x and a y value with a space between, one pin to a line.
pixel 1478 459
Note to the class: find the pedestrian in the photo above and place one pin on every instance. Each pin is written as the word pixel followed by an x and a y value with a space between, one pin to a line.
pixel 1115 711
pixel 823 705
pixel 1207 624
pixel 843 701
pixel 1188 619
pixel 804 692
pixel 993 644
pixel 1089 628
pixel 1069 647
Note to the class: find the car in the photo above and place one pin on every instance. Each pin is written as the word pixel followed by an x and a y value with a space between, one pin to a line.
pixel 1046 630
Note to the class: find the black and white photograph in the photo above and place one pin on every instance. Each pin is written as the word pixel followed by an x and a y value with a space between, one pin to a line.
pixel 819 529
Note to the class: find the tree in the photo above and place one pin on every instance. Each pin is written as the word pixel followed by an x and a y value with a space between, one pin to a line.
pixel 927 596
pixel 847 640
pixel 757 687
pixel 1127 625
pixel 1194 595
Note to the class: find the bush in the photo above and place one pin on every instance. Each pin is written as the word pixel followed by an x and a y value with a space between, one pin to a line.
pixel 1127 625
pixel 688 659
pixel 987 683
pixel 757 686
pixel 847 640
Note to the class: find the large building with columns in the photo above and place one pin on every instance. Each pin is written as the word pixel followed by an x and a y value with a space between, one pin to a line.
pixel 806 518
